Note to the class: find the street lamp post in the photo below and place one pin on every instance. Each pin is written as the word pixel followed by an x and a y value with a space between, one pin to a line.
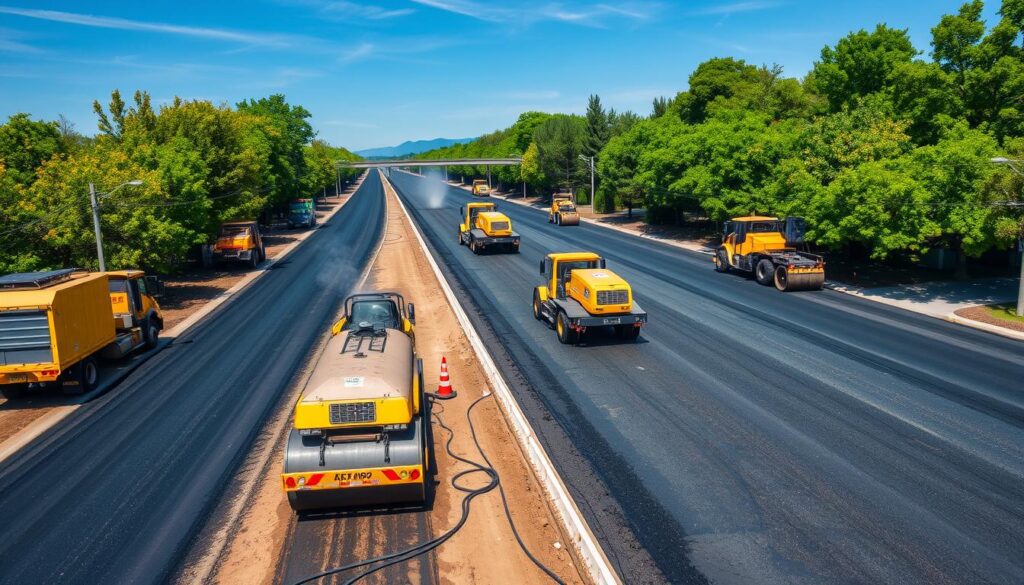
pixel 1014 166
pixel 590 163
pixel 94 199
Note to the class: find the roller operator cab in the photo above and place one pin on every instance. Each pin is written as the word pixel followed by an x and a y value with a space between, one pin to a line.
pixel 563 210
pixel 767 247
pixel 359 435
pixel 240 241
pixel 55 326
pixel 483 228
pixel 579 292
pixel 481 188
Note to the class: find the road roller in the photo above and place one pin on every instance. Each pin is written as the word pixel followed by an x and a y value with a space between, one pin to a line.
pixel 767 247
pixel 358 436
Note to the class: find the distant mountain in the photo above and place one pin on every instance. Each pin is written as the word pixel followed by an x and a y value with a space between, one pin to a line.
pixel 410 147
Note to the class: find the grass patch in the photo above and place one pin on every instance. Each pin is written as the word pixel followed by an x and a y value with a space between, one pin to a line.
pixel 1006 312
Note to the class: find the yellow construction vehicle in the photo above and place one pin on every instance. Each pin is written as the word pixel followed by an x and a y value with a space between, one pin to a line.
pixel 483 228
pixel 359 433
pixel 767 246
pixel 240 241
pixel 481 188
pixel 563 210
pixel 56 325
pixel 579 292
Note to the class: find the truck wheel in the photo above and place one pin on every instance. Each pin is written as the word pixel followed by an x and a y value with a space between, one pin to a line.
pixel 13 391
pixel 565 333
pixel 263 252
pixel 461 243
pixel 536 307
pixel 765 271
pixel 722 261
pixel 551 218
pixel 150 333
pixel 87 374
pixel 558 219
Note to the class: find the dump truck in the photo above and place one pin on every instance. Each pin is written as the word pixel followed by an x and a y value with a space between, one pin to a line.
pixel 301 212
pixel 240 241
pixel 580 293
pixel 481 188
pixel 359 433
pixel 563 210
pixel 767 247
pixel 483 228
pixel 56 325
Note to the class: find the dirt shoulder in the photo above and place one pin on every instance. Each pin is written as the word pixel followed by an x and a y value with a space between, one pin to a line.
pixel 255 546
pixel 998 315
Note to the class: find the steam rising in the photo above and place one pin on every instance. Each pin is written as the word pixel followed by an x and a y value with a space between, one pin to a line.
pixel 435 190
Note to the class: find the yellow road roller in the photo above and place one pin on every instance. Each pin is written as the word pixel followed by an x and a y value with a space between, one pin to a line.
pixel 766 246
pixel 359 437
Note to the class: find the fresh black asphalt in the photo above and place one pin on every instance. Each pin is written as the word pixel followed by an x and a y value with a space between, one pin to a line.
pixel 116 491
pixel 753 436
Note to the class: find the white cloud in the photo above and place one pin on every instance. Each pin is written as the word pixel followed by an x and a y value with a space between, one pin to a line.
pixel 143 26
pixel 367 11
pixel 527 13
pixel 11 42
pixel 358 53
pixel 737 7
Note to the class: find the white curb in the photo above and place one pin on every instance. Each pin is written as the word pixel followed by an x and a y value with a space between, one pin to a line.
pixel 575 525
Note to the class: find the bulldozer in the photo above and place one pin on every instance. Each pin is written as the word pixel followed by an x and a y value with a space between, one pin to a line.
pixel 579 293
pixel 767 247
pixel 563 210
pixel 483 228
pixel 359 434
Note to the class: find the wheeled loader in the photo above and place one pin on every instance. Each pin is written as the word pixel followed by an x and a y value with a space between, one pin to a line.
pixel 359 436
pixel 483 228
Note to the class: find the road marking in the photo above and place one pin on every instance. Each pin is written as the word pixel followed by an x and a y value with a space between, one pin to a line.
pixel 16 442
pixel 593 557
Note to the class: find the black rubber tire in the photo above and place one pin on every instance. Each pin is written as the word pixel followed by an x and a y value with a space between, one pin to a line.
pixel 13 391
pixel 150 333
pixel 565 333
pixel 558 219
pixel 254 258
pixel 551 218
pixel 722 261
pixel 764 272
pixel 536 306
pixel 461 243
pixel 87 374
pixel 263 252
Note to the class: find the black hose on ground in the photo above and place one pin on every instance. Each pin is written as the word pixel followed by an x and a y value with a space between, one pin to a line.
pixel 395 558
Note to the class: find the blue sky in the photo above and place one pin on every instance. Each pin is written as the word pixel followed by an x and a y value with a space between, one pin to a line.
pixel 377 72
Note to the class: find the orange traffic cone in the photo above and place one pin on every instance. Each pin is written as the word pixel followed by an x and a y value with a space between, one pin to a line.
pixel 444 387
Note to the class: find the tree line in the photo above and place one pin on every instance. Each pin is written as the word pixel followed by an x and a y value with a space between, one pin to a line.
pixel 199 164
pixel 885 149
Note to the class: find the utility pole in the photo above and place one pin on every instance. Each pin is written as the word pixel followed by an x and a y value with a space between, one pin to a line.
pixel 96 227
pixel 1002 160
pixel 590 163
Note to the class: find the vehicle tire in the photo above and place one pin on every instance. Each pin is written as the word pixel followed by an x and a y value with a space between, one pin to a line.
pixel 628 332
pixel 558 219
pixel 87 374
pixel 263 252
pixel 150 333
pixel 254 259
pixel 461 243
pixel 764 271
pixel 551 218
pixel 722 261
pixel 565 333
pixel 13 391
pixel 536 307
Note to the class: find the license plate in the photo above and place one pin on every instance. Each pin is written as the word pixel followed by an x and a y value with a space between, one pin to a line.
pixel 612 321
pixel 17 378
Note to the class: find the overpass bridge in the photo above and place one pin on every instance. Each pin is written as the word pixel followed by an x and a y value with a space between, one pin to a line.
pixel 455 162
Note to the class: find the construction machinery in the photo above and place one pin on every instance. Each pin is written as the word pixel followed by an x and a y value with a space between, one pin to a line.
pixel 481 188
pixel 483 228
pixel 359 433
pixel 240 241
pixel 767 247
pixel 563 210
pixel 301 212
pixel 56 325
pixel 579 292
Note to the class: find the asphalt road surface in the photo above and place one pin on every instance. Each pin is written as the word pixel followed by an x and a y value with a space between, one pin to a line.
pixel 114 493
pixel 753 436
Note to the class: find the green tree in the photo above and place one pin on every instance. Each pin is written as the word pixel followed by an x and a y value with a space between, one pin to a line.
pixel 559 142
pixel 25 144
pixel 861 64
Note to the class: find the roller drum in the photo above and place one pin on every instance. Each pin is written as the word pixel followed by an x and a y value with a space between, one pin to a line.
pixel 787 282
pixel 405 448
